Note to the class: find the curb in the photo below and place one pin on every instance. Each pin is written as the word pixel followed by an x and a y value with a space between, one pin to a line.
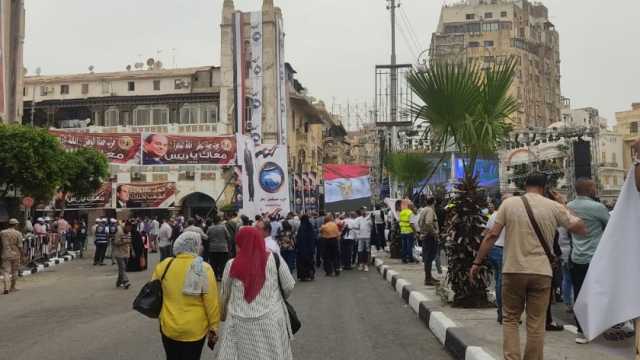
pixel 49 264
pixel 452 337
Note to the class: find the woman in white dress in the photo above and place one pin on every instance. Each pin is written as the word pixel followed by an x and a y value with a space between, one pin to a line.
pixel 257 323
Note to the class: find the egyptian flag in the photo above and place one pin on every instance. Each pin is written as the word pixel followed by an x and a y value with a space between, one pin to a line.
pixel 346 187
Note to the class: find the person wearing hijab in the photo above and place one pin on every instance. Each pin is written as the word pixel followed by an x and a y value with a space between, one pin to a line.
pixel 139 252
pixel 305 248
pixel 257 324
pixel 190 310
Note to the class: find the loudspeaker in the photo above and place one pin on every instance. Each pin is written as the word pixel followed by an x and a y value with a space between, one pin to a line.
pixel 582 156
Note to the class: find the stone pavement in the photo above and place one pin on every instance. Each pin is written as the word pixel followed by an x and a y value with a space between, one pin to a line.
pixel 478 327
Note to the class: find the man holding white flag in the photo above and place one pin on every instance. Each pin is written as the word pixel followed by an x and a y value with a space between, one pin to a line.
pixel 607 297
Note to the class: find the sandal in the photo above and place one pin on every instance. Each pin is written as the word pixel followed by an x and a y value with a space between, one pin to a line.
pixel 554 327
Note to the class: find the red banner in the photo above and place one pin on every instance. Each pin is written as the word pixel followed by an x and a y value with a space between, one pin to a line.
pixel 145 195
pixel 118 148
pixel 162 149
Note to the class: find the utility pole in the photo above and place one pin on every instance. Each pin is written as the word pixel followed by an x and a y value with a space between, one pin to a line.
pixel 393 101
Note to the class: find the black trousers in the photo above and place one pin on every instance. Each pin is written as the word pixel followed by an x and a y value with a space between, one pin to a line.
pixel 182 350
pixel 218 260
pixel 429 252
pixel 330 256
pixel 165 252
pixel 319 251
pixel 578 273
pixel 346 252
pixel 305 267
pixel 101 250
pixel 379 237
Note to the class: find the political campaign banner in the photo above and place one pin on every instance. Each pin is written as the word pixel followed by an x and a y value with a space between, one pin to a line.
pixel 265 182
pixel 99 199
pixel 164 149
pixel 297 193
pixel 346 187
pixel 313 194
pixel 119 148
pixel 145 195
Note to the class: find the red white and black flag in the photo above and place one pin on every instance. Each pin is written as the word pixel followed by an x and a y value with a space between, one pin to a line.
pixel 346 187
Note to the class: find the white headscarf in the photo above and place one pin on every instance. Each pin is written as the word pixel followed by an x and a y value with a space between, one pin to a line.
pixel 196 281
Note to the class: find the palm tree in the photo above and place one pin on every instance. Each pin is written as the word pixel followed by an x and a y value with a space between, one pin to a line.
pixel 468 108
pixel 408 168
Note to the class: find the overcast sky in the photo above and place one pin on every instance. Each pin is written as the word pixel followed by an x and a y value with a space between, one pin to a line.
pixel 333 44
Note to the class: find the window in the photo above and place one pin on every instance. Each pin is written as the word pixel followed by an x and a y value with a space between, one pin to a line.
pixel 488 43
pixel 615 181
pixel 473 27
pixel 199 114
pixel 85 89
pixel 64 89
pixel 604 156
pixel 132 86
pixel 160 116
pixel 474 44
pixel 141 117
pixel 470 16
pixel 503 14
pixel 24 91
pixel 488 15
pixel 614 158
pixel 156 85
pixel 111 117
pixel 490 27
pixel 633 127
pixel 44 91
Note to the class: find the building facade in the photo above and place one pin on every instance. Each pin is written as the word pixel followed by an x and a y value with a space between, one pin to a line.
pixel 197 101
pixel 627 124
pixel 12 23
pixel 488 31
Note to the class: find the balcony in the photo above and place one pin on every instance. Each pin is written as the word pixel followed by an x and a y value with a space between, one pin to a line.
pixel 608 164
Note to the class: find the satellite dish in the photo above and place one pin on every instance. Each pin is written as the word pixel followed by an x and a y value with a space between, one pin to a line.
pixel 38 71
pixel 138 65
pixel 158 64
pixel 150 62
pixel 128 67
pixel 91 67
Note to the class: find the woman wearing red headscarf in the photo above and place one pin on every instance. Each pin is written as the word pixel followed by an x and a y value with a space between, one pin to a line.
pixel 257 323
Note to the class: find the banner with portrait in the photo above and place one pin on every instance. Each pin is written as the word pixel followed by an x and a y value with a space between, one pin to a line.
pixel 145 195
pixel 119 148
pixel 163 149
pixel 265 182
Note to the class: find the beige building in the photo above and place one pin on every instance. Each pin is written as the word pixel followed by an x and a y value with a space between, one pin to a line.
pixel 488 31
pixel 195 101
pixel 12 18
pixel 627 123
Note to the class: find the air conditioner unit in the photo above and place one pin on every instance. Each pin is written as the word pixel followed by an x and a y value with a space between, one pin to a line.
pixel 191 174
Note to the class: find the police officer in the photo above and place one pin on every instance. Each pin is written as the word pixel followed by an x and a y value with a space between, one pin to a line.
pixel 101 242
pixel 11 254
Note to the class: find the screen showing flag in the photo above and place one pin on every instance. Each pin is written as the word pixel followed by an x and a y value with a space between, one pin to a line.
pixel 346 187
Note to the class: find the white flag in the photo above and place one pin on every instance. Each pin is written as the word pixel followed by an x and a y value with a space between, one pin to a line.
pixel 610 294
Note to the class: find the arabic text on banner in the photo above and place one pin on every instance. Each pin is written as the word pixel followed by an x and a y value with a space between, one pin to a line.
pixel 119 148
pixel 163 149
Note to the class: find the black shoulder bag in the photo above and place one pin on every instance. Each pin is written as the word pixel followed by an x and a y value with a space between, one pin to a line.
pixel 293 316
pixel 149 299
pixel 547 250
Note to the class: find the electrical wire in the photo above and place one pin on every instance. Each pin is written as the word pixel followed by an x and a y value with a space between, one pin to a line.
pixel 407 42
pixel 416 39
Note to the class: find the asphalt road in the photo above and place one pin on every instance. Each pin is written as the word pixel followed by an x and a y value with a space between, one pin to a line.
pixel 74 312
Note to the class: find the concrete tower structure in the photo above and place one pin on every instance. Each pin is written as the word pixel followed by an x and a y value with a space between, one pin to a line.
pixel 12 42
pixel 490 30
pixel 271 15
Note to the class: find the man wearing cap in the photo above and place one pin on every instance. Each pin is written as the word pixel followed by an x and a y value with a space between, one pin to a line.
pixel 11 253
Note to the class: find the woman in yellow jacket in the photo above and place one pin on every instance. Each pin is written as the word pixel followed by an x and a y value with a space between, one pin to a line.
pixel 190 310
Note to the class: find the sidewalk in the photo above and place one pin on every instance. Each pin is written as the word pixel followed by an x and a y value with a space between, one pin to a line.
pixel 479 328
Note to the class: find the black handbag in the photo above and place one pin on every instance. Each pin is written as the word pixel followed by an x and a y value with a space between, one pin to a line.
pixel 149 299
pixel 293 316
